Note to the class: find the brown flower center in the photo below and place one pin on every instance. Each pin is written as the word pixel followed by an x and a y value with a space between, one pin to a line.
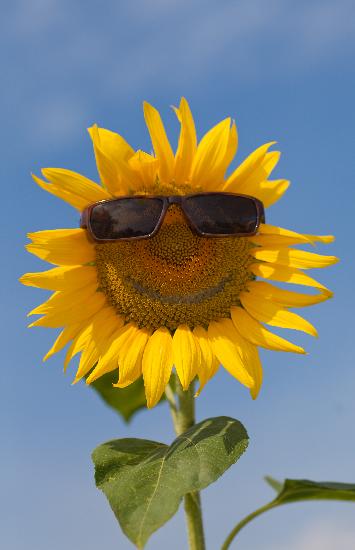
pixel 175 277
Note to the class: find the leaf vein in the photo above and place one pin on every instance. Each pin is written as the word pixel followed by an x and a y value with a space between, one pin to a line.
pixel 151 498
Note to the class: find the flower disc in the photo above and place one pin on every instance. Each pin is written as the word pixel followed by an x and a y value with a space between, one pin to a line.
pixel 175 277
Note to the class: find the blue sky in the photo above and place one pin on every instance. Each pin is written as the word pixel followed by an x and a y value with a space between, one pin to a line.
pixel 284 71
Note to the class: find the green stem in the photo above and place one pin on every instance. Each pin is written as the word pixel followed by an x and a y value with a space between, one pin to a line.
pixel 183 415
pixel 244 522
pixel 193 515
pixel 170 397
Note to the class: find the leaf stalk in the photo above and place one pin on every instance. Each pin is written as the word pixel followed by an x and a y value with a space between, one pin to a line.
pixel 244 522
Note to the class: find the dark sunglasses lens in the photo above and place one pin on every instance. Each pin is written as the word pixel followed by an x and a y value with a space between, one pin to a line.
pixel 125 218
pixel 219 214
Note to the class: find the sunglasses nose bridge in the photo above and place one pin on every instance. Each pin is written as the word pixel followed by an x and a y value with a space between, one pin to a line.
pixel 176 199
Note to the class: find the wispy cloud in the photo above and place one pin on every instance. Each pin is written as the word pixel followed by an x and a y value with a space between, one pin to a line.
pixel 323 536
pixel 61 49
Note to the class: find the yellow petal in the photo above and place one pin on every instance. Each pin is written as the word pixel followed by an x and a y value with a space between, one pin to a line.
pixel 72 199
pixel 269 191
pixel 257 334
pixel 247 168
pixel 146 167
pixel 87 327
pixel 293 258
pixel 110 318
pixel 88 332
pixel 212 157
pixel 186 355
pixel 65 300
pixel 232 145
pixel 325 239
pixel 222 336
pixel 130 357
pixel 261 289
pixel 274 314
pixel 101 330
pixel 80 190
pixel 161 145
pixel 61 278
pixel 105 166
pixel 251 360
pixel 285 275
pixel 62 246
pixel 88 358
pixel 112 154
pixel 187 143
pixel 111 144
pixel 109 359
pixel 250 178
pixel 253 184
pixel 272 236
pixel 209 363
pixel 74 314
pixel 78 344
pixel 157 364
pixel 67 334
pixel 83 337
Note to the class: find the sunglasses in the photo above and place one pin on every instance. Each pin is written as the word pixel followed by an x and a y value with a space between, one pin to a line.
pixel 140 217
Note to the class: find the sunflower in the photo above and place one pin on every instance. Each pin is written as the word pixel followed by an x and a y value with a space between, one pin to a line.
pixel 176 299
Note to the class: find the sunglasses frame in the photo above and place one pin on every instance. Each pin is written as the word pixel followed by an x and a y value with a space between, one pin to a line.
pixel 168 201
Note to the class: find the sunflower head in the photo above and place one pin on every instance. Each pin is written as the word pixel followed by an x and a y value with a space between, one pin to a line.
pixel 177 299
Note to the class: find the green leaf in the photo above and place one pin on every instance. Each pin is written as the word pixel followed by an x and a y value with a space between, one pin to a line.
pixel 125 401
pixel 145 481
pixel 276 485
pixel 296 490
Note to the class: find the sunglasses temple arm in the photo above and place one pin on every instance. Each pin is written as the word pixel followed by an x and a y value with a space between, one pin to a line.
pixel 261 212
pixel 84 219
